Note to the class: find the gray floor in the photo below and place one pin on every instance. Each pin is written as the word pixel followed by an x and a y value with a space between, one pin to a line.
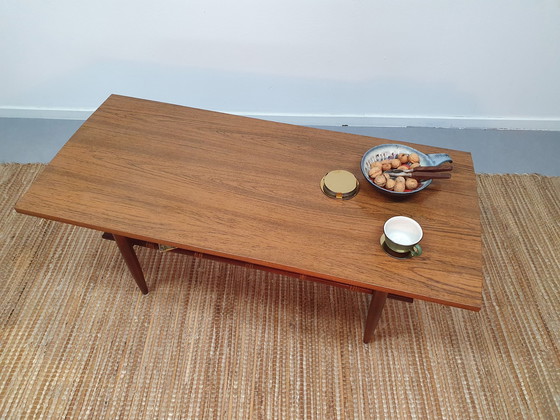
pixel 493 151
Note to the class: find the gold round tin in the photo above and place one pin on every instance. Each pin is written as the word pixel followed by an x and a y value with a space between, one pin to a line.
pixel 340 184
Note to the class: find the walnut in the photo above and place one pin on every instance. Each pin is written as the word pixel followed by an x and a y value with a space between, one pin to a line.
pixel 374 171
pixel 413 158
pixel 400 179
pixel 386 165
pixel 399 187
pixel 403 157
pixel 390 184
pixel 411 183
pixel 380 180
pixel 414 165
pixel 395 163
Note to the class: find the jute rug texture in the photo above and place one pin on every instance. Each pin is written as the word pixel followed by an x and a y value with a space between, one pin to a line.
pixel 213 341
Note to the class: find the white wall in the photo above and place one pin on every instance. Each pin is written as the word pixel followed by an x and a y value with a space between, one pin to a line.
pixel 485 63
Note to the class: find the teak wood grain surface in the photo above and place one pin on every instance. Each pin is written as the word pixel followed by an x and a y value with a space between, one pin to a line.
pixel 249 190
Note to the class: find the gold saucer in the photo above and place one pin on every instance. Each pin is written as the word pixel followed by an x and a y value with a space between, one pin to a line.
pixel 392 253
pixel 340 184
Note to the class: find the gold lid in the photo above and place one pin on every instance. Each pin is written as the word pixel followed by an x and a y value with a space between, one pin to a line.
pixel 340 184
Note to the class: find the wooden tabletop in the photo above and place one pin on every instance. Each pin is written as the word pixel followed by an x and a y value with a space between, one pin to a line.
pixel 249 190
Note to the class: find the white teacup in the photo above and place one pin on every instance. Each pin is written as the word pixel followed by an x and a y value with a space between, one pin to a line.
pixel 402 235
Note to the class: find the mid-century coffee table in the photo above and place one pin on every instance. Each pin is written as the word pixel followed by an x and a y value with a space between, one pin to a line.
pixel 248 191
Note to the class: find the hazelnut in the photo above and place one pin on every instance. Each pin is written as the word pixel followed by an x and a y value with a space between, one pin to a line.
pixel 395 163
pixel 411 183
pixel 399 187
pixel 374 171
pixel 390 184
pixel 413 158
pixel 403 157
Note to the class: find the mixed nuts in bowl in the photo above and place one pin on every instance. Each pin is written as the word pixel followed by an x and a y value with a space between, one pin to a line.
pixel 380 163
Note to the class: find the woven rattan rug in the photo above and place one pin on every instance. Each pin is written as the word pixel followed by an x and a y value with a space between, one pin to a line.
pixel 212 341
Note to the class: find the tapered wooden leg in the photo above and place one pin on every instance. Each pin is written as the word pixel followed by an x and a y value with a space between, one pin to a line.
pixel 374 313
pixel 127 251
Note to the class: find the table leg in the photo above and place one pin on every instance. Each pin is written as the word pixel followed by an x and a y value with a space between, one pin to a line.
pixel 127 251
pixel 374 313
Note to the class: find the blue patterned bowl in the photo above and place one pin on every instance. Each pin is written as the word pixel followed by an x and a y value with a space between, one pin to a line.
pixel 391 151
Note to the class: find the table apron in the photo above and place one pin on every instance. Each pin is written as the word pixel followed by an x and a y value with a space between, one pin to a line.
pixel 153 245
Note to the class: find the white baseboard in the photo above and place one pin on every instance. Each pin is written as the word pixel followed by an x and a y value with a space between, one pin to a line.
pixel 366 120
pixel 551 124
pixel 46 113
